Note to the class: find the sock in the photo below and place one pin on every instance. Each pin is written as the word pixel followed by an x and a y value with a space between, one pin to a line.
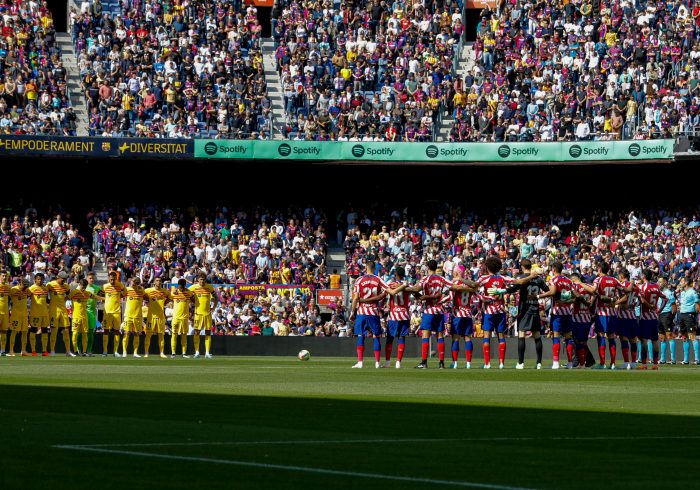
pixel 11 346
pixel 469 350
pixel 455 350
pixel 555 349
pixel 612 346
pixel 24 336
pixel 686 350
pixel 521 350
pixel 601 349
pixel 663 351
pixel 581 353
pixel 656 354
pixel 183 343
pixel 388 347
pixel 501 350
pixel 570 350
pixel 66 339
pixel 84 343
pixel 207 343
pixel 538 349
pixel 634 352
pixel 125 343
pixel 625 350
pixel 116 341
pixel 105 341
pixel 75 340
pixel 360 348
pixel 425 348
pixel 45 342
pixel 173 344
pixel 197 342
pixel 161 342
pixel 54 337
pixel 90 340
pixel 3 341
pixel 672 349
pixel 696 349
pixel 441 349
pixel 644 354
pixel 377 349
pixel 147 341
pixel 401 348
pixel 487 348
pixel 32 341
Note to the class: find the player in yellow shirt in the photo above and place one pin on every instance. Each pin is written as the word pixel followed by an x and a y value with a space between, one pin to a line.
pixel 114 291
pixel 58 315
pixel 204 294
pixel 39 314
pixel 133 316
pixel 182 298
pixel 19 317
pixel 156 296
pixel 5 291
pixel 80 297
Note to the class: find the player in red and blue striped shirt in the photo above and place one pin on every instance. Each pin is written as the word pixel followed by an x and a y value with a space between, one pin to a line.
pixel 653 301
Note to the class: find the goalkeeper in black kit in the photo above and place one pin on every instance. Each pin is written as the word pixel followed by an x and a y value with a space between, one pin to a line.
pixel 528 319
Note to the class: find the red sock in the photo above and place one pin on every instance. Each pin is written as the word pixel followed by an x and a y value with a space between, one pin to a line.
pixel 468 354
pixel 387 351
pixel 555 352
pixel 601 354
pixel 441 351
pixel 425 347
pixel 625 354
pixel 570 352
pixel 399 355
pixel 455 355
pixel 502 352
pixel 581 354
pixel 613 353
pixel 487 353
pixel 656 358
pixel 360 353
pixel 377 355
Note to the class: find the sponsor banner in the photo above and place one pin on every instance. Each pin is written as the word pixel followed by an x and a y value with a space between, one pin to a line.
pixel 324 297
pixel 480 4
pixel 57 146
pixel 298 150
pixel 155 148
pixel 224 148
pixel 618 150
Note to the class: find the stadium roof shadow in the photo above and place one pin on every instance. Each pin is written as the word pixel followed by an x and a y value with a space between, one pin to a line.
pixel 148 439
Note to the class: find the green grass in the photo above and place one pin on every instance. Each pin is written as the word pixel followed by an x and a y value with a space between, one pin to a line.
pixel 512 429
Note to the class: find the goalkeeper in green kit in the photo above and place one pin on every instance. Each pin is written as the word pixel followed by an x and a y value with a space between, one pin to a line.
pixel 92 311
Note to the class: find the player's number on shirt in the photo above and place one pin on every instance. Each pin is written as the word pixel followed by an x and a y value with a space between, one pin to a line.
pixel 369 292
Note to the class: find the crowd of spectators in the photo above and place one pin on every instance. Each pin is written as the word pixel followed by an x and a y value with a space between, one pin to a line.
pixel 581 70
pixel 665 241
pixel 368 70
pixel 172 69
pixel 33 91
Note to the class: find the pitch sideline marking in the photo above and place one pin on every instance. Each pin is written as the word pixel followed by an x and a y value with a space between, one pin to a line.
pixel 368 441
pixel 302 469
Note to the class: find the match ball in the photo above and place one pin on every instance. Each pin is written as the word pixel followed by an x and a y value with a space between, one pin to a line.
pixel 304 355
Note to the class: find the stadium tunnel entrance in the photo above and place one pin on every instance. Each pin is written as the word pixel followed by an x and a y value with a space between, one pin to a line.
pixel 265 20
pixel 59 11
pixel 472 17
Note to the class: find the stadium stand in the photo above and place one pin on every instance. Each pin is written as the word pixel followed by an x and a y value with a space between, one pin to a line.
pixel 172 69
pixel 34 97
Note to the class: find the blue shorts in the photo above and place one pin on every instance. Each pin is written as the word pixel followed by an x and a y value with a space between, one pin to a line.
pixel 434 323
pixel 580 330
pixel 561 323
pixel 398 328
pixel 368 322
pixel 626 327
pixel 462 326
pixel 605 324
pixel 496 321
pixel 648 330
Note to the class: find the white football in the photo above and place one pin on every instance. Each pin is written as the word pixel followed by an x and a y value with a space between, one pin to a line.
pixel 304 355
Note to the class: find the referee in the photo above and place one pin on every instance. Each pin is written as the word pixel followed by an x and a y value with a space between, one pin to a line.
pixel 689 304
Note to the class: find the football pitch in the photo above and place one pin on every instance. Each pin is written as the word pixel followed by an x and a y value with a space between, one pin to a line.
pixel 261 422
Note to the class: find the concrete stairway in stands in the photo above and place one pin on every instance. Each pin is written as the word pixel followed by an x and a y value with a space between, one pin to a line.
pixel 274 87
pixel 467 60
pixel 77 99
